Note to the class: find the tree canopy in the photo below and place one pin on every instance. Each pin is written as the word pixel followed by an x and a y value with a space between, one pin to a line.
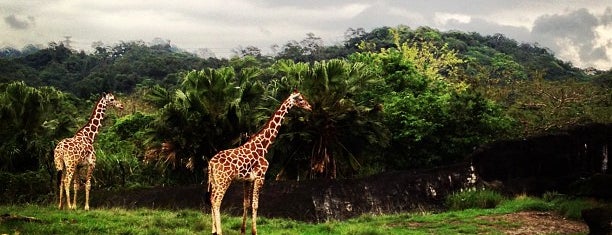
pixel 388 99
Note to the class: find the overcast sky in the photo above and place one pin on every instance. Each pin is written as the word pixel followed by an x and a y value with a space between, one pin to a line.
pixel 576 31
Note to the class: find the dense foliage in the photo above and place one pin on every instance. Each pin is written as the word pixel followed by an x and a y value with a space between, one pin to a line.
pixel 119 68
pixel 434 117
pixel 31 118
pixel 389 99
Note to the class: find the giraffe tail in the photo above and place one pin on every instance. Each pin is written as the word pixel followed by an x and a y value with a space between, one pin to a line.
pixel 58 157
pixel 59 164
pixel 59 178
pixel 208 193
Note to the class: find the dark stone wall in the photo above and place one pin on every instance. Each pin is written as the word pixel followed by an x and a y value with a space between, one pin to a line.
pixel 313 200
pixel 322 200
pixel 556 162
pixel 569 162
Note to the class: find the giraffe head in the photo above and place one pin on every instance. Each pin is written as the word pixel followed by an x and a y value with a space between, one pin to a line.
pixel 110 99
pixel 298 100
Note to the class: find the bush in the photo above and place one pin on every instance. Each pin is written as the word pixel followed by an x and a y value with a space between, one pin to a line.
pixel 30 186
pixel 484 198
pixel 550 196
pixel 571 209
pixel 568 207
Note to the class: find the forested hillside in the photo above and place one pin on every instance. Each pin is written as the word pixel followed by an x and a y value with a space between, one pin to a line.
pixel 388 99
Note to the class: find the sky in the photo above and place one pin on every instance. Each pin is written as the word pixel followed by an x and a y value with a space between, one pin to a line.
pixel 576 31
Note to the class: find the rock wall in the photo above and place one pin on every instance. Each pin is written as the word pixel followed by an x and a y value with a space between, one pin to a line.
pixel 323 200
pixel 573 161
pixel 557 162
pixel 314 200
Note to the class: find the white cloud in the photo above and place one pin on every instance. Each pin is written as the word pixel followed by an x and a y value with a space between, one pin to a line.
pixel 225 24
pixel 350 10
pixel 441 18
pixel 604 40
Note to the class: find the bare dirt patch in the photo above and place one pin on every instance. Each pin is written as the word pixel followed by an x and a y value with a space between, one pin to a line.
pixel 531 222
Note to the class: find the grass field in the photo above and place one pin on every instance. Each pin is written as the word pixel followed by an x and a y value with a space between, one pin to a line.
pixel 37 219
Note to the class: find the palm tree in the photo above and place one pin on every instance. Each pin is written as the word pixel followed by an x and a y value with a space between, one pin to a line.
pixel 30 120
pixel 212 109
pixel 336 139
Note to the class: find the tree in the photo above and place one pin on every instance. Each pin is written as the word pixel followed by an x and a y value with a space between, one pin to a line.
pixel 542 106
pixel 312 45
pixel 54 53
pixel 211 110
pixel 376 39
pixel 247 51
pixel 9 52
pixel 292 50
pixel 338 138
pixel 31 120
pixel 434 116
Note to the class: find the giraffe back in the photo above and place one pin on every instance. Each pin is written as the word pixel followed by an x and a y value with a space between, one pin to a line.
pixel 239 163
pixel 73 151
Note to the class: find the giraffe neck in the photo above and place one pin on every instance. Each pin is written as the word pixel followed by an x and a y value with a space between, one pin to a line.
pixel 90 130
pixel 266 136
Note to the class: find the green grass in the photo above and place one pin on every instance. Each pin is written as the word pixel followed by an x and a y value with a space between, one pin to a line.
pixel 100 221
pixel 474 199
pixel 147 221
pixel 568 207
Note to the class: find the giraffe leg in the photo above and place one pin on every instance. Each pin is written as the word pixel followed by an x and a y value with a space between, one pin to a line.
pixel 88 185
pixel 257 184
pixel 67 179
pixel 246 204
pixel 218 191
pixel 61 189
pixel 75 183
pixel 212 188
pixel 216 220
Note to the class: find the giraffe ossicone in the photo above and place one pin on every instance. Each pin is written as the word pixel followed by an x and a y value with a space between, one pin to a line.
pixel 248 163
pixel 78 151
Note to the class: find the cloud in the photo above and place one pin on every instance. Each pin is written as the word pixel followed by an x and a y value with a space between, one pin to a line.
pixel 224 24
pixel 17 23
pixel 486 27
pixel 574 36
pixel 606 18
pixel 443 18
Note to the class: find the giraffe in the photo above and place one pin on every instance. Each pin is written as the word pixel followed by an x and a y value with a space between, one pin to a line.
pixel 72 153
pixel 247 163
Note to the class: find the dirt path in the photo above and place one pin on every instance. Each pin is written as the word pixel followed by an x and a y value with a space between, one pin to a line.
pixel 539 223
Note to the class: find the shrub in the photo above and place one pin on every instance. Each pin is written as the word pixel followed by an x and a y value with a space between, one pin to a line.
pixel 550 196
pixel 484 198
pixel 571 209
pixel 568 207
pixel 30 186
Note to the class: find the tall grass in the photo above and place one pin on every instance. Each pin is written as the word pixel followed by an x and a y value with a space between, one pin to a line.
pixel 479 198
pixel 567 206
